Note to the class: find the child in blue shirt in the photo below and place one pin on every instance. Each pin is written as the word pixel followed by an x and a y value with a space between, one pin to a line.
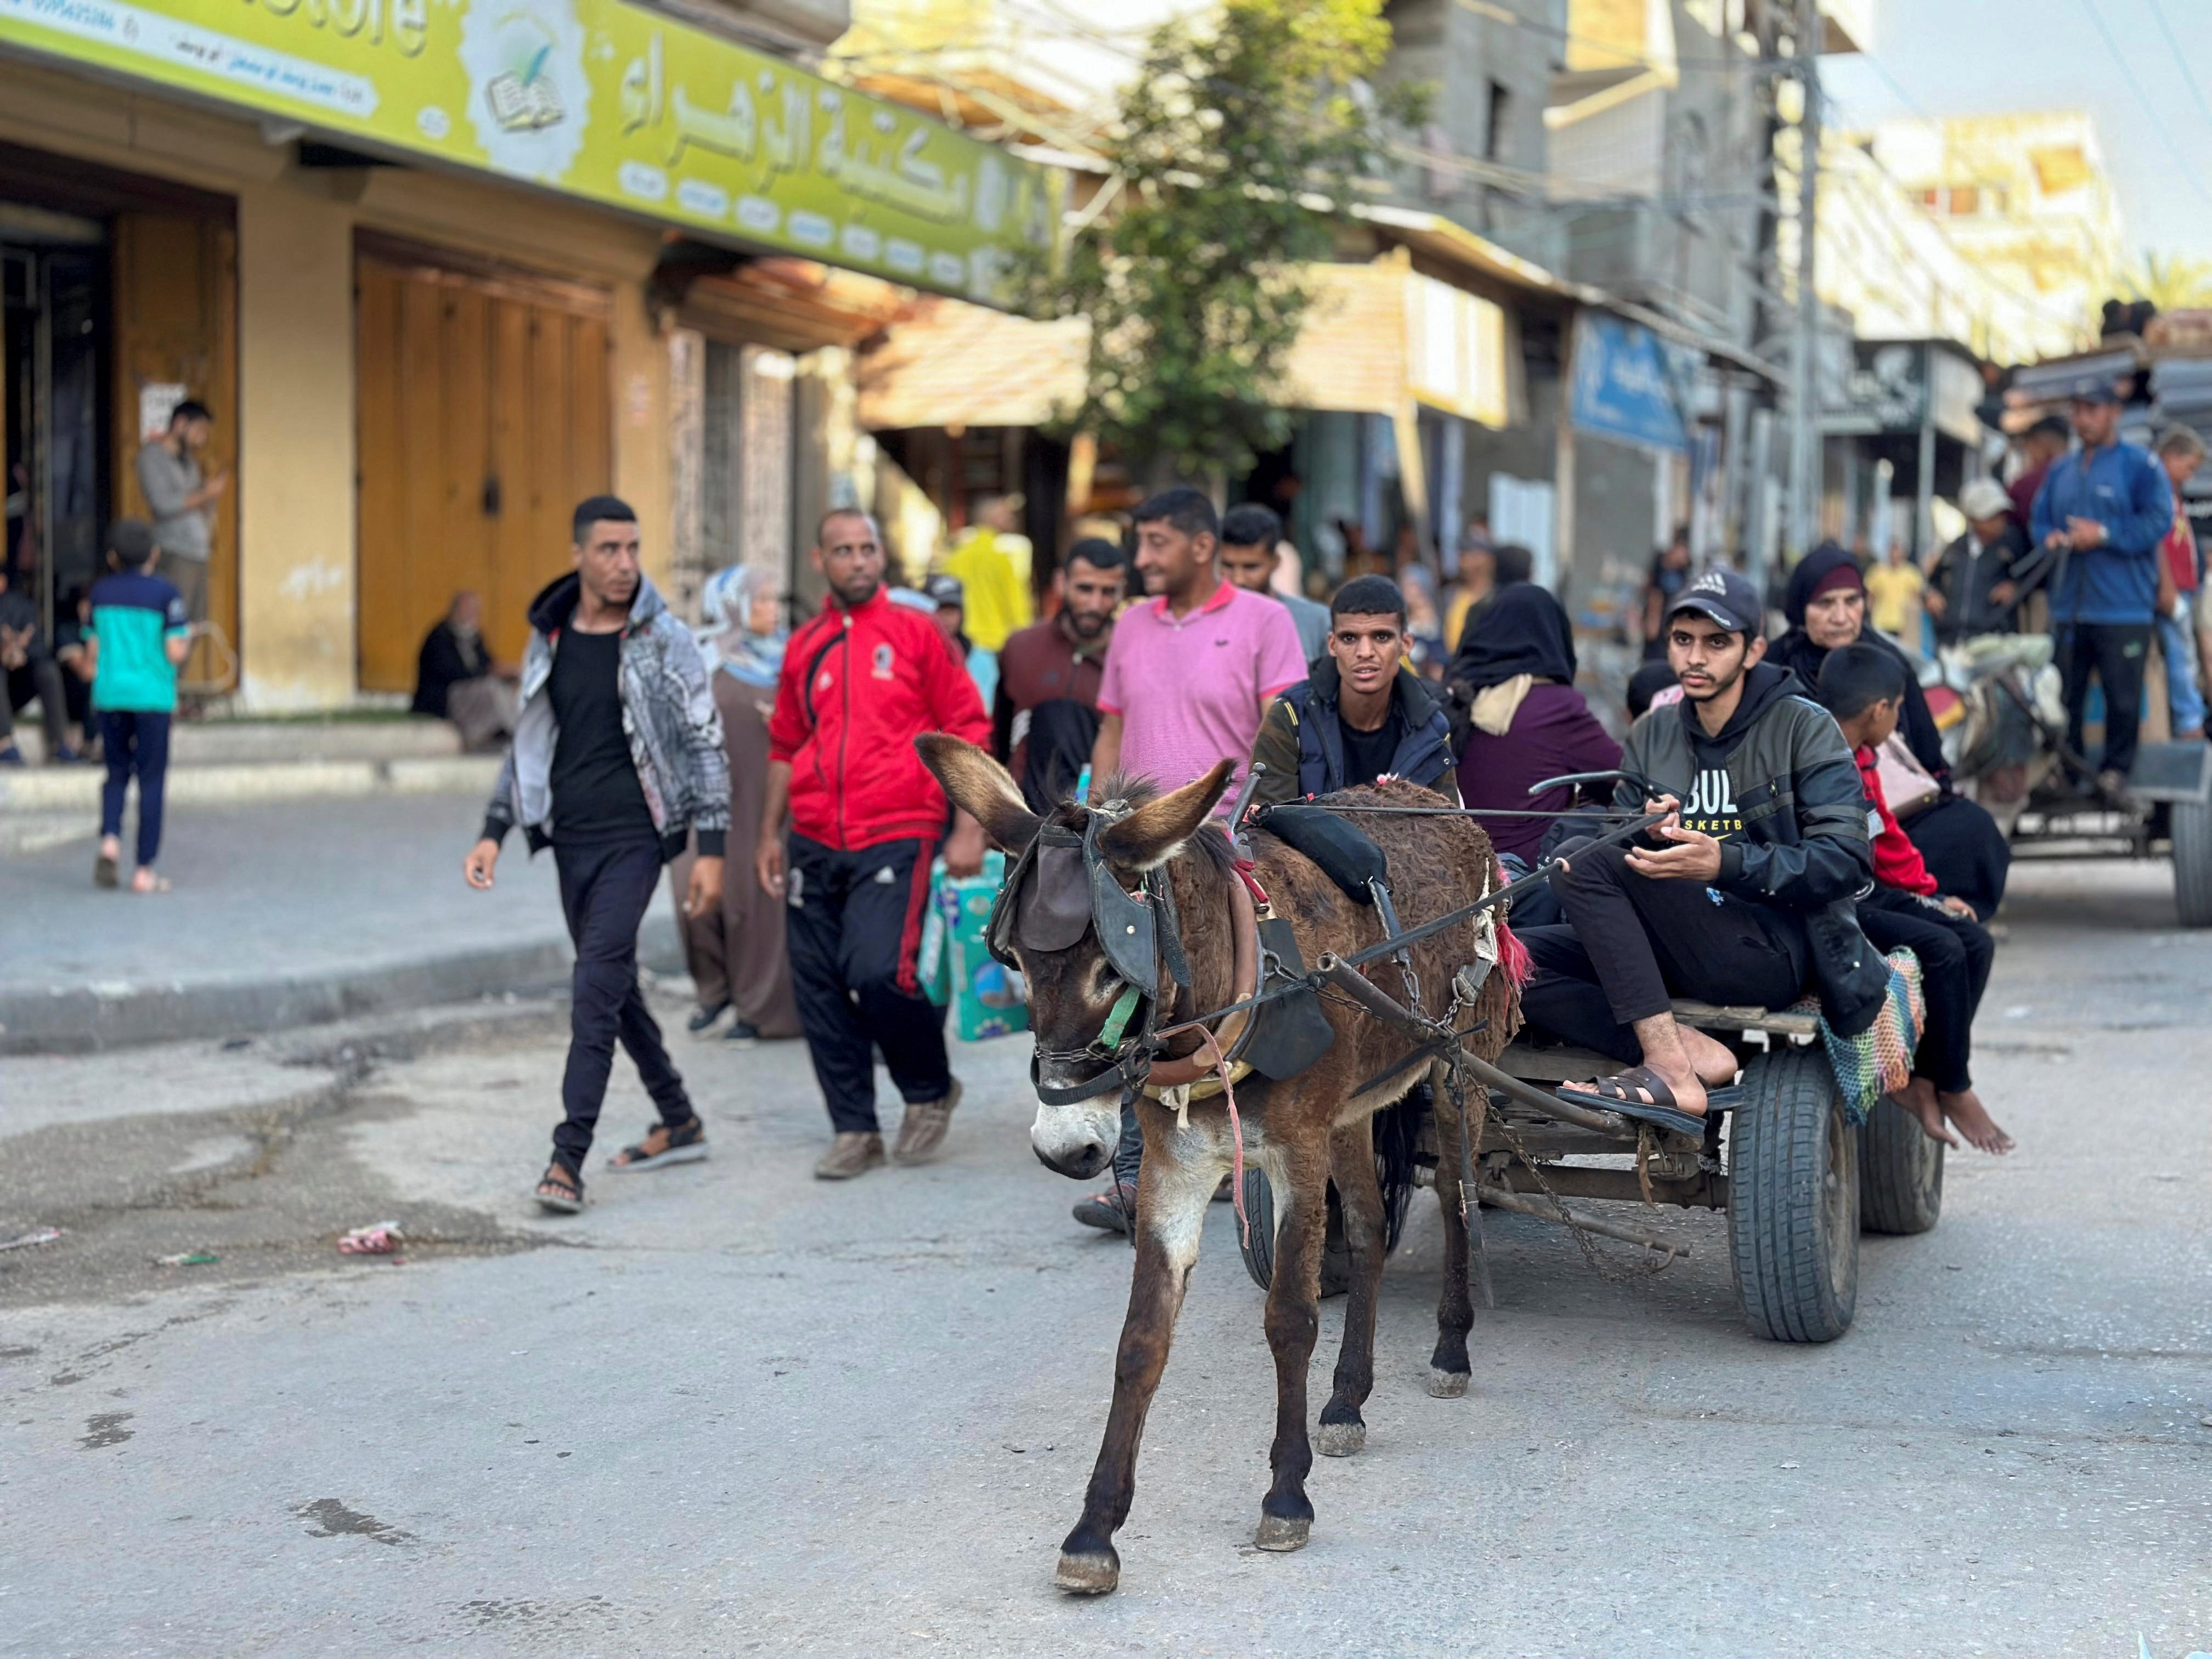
pixel 137 636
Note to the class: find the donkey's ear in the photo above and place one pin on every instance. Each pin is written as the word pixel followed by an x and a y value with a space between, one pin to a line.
pixel 981 787
pixel 1156 831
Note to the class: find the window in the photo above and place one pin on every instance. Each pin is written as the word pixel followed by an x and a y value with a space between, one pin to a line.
pixel 1498 140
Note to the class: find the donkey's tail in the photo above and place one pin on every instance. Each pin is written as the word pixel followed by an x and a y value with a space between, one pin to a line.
pixel 1397 1130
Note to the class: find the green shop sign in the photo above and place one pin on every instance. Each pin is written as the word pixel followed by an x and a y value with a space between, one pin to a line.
pixel 597 99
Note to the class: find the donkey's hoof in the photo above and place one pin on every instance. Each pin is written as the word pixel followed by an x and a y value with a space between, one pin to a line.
pixel 1089 1573
pixel 1447 1385
pixel 1283 1532
pixel 1340 1439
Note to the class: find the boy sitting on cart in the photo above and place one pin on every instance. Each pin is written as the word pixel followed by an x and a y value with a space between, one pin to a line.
pixel 1863 685
pixel 1743 891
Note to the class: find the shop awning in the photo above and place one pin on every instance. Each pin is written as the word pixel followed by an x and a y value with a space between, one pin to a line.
pixel 956 365
pixel 600 100
pixel 792 305
pixel 1377 337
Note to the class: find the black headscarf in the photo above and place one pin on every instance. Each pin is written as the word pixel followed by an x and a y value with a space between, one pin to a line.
pixel 1523 630
pixel 1796 652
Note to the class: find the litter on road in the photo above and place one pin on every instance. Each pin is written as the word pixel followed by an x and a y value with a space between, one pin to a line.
pixel 187 1259
pixel 378 1238
pixel 37 1235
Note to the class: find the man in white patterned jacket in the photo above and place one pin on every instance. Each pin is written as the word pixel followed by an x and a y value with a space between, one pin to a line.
pixel 617 755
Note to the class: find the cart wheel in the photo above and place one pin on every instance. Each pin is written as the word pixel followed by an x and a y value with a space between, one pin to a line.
pixel 1259 1247
pixel 1794 1200
pixel 1900 1172
pixel 2192 862
pixel 1259 1252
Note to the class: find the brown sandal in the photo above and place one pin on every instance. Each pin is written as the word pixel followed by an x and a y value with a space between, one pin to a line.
pixel 567 1197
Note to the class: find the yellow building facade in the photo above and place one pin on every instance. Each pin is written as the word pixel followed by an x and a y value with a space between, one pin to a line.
pixel 427 323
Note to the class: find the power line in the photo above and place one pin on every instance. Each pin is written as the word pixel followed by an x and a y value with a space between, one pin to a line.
pixel 2180 63
pixel 2120 62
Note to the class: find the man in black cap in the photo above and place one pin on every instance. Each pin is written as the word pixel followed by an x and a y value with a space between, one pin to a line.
pixel 1766 830
pixel 2104 509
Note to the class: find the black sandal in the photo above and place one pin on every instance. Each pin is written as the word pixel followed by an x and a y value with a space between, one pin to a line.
pixel 686 1145
pixel 1618 1093
pixel 569 1199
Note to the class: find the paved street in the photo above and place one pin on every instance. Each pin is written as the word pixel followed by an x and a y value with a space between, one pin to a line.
pixel 731 1410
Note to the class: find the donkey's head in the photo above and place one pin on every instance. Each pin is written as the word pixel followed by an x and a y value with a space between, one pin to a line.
pixel 1051 929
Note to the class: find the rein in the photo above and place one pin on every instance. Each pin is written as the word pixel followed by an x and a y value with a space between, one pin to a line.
pixel 1132 1057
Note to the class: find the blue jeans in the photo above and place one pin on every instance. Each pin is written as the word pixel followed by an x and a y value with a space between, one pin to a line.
pixel 2177 643
pixel 135 743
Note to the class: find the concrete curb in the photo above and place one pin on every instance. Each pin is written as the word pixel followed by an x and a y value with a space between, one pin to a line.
pixel 77 788
pixel 75 1019
pixel 115 1014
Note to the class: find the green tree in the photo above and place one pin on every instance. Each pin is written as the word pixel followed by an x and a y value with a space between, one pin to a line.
pixel 1240 136
pixel 2172 282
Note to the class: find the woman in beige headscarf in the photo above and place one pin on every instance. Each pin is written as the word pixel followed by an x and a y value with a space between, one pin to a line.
pixel 736 953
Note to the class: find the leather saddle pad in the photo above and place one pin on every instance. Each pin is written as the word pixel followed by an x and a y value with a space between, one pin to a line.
pixel 1340 847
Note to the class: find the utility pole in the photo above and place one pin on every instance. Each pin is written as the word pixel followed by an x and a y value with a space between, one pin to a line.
pixel 1805 479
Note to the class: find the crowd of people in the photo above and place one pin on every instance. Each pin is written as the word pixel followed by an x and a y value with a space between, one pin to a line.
pixel 785 757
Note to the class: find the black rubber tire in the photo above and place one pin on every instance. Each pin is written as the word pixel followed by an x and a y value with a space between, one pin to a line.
pixel 1259 1253
pixel 2192 862
pixel 1900 1172
pixel 1792 1200
pixel 1259 1248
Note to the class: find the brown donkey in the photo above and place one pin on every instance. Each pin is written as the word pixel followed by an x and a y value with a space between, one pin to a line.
pixel 1303 1131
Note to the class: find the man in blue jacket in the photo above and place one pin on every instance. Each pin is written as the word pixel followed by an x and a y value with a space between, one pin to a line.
pixel 2103 508
pixel 1362 713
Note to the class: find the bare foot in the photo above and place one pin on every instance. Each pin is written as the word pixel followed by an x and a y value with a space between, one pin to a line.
pixel 1713 1061
pixel 1918 1097
pixel 1965 1109
pixel 143 880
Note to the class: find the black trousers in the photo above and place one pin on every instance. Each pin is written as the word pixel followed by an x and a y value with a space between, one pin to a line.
pixel 2117 652
pixel 1955 955
pixel 604 890
pixel 1631 944
pixel 40 677
pixel 855 928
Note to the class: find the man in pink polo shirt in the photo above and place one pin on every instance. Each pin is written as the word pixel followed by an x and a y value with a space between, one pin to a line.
pixel 1191 671
pixel 1193 667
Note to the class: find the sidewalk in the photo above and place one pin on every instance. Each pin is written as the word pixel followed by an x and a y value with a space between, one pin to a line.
pixel 284 913
pixel 234 762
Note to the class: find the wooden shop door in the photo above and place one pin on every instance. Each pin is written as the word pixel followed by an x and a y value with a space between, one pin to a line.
pixel 176 337
pixel 484 418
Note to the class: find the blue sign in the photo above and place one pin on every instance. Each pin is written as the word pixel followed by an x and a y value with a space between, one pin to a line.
pixel 1623 387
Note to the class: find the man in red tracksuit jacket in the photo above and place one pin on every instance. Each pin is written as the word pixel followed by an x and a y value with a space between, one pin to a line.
pixel 859 683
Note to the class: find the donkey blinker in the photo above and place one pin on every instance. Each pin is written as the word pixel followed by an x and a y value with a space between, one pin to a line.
pixel 1062 885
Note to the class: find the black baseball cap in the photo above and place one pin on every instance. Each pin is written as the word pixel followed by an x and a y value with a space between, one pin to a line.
pixel 946 590
pixel 2094 389
pixel 1722 595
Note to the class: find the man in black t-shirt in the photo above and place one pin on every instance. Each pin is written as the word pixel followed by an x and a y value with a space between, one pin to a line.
pixel 617 753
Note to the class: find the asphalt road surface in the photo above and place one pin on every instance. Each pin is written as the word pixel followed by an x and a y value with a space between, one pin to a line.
pixel 731 1410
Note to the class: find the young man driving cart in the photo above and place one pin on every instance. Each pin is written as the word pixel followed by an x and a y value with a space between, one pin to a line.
pixel 1739 896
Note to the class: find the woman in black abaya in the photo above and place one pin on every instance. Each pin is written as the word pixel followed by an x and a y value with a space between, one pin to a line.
pixel 1959 841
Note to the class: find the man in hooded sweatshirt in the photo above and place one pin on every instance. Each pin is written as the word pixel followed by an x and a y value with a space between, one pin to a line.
pixel 617 753
pixel 1742 891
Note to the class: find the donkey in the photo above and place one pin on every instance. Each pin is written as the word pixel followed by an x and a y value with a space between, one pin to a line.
pixel 1303 1131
